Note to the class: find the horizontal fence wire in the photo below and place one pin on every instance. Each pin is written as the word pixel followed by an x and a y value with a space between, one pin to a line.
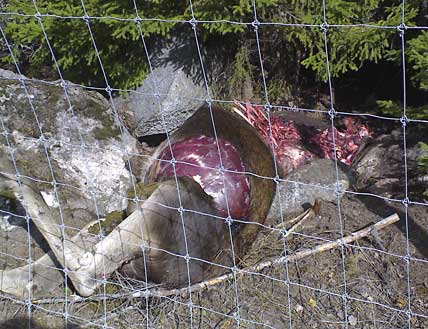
pixel 191 301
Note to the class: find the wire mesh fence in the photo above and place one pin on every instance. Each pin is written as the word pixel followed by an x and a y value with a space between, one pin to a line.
pixel 321 276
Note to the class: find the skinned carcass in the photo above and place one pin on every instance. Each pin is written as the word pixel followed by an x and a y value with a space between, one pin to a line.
pixel 182 233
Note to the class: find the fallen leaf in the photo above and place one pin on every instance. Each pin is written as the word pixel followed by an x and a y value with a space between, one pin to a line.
pixel 312 302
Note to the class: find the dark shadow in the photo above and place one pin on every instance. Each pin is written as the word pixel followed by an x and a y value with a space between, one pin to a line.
pixel 418 234
pixel 181 52
pixel 15 207
pixel 24 322
pixel 359 90
pixel 152 140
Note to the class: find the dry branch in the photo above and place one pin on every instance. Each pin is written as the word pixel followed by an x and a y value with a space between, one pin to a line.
pixel 249 270
pixel 299 255
pixel 298 221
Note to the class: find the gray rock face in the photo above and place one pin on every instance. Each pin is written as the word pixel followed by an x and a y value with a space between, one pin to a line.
pixel 84 149
pixel 5 74
pixel 316 179
pixel 381 168
pixel 179 97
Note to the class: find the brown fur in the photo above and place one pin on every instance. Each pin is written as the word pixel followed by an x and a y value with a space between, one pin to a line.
pixel 207 236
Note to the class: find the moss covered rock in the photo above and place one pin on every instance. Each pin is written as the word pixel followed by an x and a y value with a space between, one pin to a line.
pixel 71 138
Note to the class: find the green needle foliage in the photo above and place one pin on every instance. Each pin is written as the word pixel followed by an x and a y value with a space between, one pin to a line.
pixel 287 50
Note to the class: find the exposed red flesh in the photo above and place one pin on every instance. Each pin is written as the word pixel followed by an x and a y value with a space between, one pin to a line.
pixel 289 143
pixel 285 138
pixel 347 142
pixel 200 154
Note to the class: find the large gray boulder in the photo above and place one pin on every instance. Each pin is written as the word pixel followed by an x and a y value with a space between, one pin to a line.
pixel 6 74
pixel 179 97
pixel 315 180
pixel 381 169
pixel 84 149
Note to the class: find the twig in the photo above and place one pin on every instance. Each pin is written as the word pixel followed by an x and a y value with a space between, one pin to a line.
pixel 293 224
pixel 298 221
pixel 314 210
pixel 299 255
pixel 249 270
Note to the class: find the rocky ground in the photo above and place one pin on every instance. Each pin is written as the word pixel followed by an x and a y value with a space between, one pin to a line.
pixel 381 288
pixel 375 275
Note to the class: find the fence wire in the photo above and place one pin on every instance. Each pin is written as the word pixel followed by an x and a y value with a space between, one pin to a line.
pixel 146 299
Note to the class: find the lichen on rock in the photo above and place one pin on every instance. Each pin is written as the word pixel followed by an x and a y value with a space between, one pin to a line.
pixel 81 147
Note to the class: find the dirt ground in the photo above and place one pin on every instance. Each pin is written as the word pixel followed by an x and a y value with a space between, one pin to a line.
pixel 373 271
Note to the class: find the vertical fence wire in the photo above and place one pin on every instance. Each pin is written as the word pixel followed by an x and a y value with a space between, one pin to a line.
pixel 229 220
pixel 407 257
pixel 256 25
pixel 332 114
pixel 42 141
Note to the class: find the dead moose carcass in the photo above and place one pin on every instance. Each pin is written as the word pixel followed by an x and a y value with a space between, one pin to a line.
pixel 192 225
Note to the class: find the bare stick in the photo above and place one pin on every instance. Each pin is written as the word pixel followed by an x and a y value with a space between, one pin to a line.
pixel 299 255
pixel 249 270
pixel 297 221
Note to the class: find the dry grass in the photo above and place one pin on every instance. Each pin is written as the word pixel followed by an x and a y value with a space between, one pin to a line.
pixel 376 282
